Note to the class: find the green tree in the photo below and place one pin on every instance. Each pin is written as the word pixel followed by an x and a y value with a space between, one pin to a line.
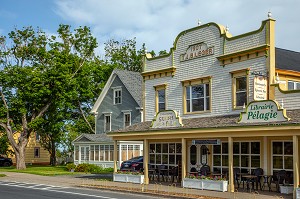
pixel 39 72
pixel 4 145
pixel 124 54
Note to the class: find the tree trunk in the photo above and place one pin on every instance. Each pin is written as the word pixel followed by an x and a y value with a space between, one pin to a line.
pixel 20 157
pixel 53 153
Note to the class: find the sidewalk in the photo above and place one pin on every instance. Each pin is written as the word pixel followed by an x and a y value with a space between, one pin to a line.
pixel 90 181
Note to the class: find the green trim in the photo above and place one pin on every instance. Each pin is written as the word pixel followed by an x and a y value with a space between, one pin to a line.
pixel 285 91
pixel 278 109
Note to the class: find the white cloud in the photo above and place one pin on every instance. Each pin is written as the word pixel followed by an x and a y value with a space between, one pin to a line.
pixel 157 23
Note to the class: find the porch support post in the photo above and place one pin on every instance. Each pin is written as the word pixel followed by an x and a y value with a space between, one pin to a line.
pixel 183 159
pixel 146 160
pixel 295 163
pixel 230 165
pixel 115 156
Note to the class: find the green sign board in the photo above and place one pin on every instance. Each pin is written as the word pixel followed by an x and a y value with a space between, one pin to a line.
pixel 263 111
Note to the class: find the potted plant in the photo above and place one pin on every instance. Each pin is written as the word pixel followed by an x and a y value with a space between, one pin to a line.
pixel 205 182
pixel 129 176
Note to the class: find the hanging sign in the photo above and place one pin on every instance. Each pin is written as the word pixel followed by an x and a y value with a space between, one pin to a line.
pixel 166 119
pixel 260 88
pixel 263 111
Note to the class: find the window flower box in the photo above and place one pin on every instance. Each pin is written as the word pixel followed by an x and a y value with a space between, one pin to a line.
pixel 287 189
pixel 133 178
pixel 207 184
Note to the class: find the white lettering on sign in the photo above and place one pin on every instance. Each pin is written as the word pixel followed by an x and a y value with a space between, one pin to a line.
pixel 197 50
pixel 263 111
pixel 260 88
pixel 166 119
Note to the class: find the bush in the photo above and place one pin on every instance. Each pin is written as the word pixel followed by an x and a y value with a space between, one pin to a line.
pixel 70 166
pixel 88 168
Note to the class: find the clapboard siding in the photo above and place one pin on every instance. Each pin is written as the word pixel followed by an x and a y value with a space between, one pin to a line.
pixel 221 83
pixel 291 101
pixel 117 116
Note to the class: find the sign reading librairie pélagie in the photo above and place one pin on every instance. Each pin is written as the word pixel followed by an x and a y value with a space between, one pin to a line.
pixel 166 119
pixel 263 111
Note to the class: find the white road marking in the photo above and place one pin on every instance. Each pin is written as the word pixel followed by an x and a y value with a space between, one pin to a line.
pixel 49 188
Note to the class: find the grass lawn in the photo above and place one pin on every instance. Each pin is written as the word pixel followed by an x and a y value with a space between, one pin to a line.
pixel 41 170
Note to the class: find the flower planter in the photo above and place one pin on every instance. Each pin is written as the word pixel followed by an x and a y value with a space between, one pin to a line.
pixel 138 179
pixel 297 193
pixel 286 189
pixel 215 185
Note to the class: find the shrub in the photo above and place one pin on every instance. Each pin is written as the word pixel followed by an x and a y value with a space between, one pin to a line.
pixel 70 166
pixel 88 168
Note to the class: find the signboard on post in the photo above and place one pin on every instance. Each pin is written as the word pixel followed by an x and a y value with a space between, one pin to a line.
pixel 263 111
pixel 260 88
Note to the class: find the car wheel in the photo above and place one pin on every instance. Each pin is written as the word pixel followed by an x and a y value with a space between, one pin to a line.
pixel 6 164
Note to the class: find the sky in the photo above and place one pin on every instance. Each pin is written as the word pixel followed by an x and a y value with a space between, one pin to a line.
pixel 153 22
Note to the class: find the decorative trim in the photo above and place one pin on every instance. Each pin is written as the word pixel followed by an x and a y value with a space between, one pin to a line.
pixel 166 72
pixel 160 87
pixel 287 72
pixel 201 80
pixel 243 55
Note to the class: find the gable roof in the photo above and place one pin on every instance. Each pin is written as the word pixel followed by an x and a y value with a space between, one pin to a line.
pixel 287 60
pixel 131 80
pixel 102 137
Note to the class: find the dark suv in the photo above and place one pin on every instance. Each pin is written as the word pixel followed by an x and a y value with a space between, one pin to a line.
pixel 134 164
pixel 5 162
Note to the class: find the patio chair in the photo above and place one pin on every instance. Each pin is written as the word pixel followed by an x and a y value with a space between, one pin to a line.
pixel 161 172
pixel 204 170
pixel 279 179
pixel 236 176
pixel 258 173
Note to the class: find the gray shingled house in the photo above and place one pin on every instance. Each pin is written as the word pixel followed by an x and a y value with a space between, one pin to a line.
pixel 118 106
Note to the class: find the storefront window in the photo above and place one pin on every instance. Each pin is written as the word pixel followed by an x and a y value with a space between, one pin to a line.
pixel 193 154
pixel 246 156
pixel 282 156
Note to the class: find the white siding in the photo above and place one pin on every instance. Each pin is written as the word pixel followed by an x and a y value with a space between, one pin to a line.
pixel 291 101
pixel 202 67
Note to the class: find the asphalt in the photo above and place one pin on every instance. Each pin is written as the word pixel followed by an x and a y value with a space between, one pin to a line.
pixel 96 181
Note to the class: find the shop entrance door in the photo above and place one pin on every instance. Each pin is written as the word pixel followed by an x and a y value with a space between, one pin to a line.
pixel 197 157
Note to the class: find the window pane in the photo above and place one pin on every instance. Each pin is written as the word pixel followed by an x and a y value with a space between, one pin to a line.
pixel 290 85
pixel 198 104
pixel 152 148
pixel 188 96
pixel 241 84
pixel 161 107
pixel 193 153
pixel 288 148
pixel 236 160
pixel 245 161
pixel 277 148
pixel 225 148
pixel 165 148
pixel 207 89
pixel 158 159
pixel 171 159
pixel 158 148
pixel 207 104
pixel 241 98
pixel 245 148
pixel 217 160
pixel 178 148
pixel 197 91
pixel 171 148
pixel 152 158
pixel 188 104
pixel 277 162
pixel 165 159
pixel 255 148
pixel 161 95
pixel 217 149
pixel 255 161
pixel 288 162
pixel 236 148
pixel 224 160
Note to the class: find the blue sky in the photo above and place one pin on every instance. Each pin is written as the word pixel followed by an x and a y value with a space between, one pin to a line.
pixel 153 22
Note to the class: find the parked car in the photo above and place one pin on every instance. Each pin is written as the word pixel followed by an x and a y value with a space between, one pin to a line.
pixel 134 164
pixel 5 162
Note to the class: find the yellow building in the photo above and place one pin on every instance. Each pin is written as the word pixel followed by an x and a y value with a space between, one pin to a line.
pixel 34 152
pixel 221 101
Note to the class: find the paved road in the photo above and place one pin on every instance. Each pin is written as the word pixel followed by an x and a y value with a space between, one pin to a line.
pixel 17 190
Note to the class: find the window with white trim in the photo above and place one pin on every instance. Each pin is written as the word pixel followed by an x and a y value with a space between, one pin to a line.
pixel 127 119
pixel 36 152
pixel 293 85
pixel 117 96
pixel 282 156
pixel 107 123
pixel 246 156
